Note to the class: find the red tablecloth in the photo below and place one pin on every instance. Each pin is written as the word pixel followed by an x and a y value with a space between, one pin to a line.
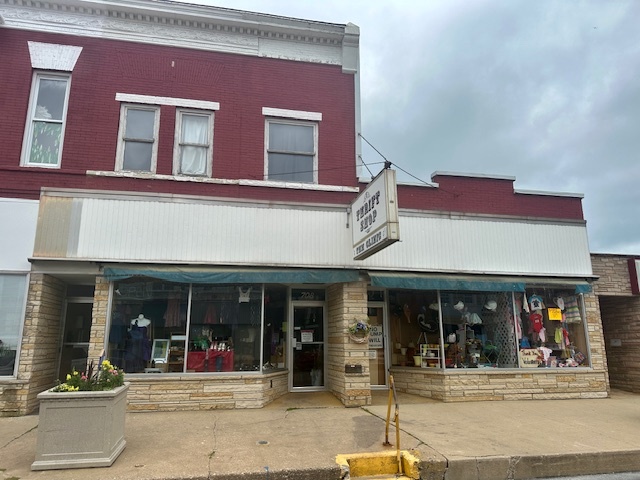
pixel 218 361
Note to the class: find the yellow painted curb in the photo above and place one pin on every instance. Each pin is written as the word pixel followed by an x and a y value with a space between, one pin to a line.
pixel 378 463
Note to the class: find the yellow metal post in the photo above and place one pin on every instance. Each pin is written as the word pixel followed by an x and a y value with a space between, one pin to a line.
pixel 396 420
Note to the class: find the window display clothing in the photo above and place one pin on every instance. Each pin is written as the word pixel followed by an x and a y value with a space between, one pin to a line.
pixel 137 347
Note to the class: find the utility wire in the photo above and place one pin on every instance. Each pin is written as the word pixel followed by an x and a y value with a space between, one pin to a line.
pixel 394 164
pixel 366 166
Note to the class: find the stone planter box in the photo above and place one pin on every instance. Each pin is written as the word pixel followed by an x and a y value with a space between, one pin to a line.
pixel 80 429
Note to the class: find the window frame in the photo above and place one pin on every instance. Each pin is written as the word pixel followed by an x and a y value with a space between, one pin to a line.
pixel 124 107
pixel 20 319
pixel 295 122
pixel 38 75
pixel 177 143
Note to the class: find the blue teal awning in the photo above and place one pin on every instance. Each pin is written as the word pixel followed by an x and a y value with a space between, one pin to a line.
pixel 179 274
pixel 485 283
pixel 444 282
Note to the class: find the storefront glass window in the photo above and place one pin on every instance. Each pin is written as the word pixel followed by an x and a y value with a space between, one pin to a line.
pixel 479 330
pixel 12 301
pixel 542 328
pixel 275 328
pixel 414 320
pixel 166 327
pixel 552 325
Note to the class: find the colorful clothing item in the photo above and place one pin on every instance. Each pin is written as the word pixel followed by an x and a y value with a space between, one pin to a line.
pixel 536 322
pixel 536 303
pixel 572 312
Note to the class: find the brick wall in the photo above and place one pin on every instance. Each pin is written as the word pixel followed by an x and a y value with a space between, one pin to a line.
pixel 241 84
pixel 613 271
pixel 492 196
pixel 346 303
pixel 620 311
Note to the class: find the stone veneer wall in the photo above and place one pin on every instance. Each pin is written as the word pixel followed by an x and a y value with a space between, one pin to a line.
pixel 468 385
pixel 620 310
pixel 204 392
pixel 40 346
pixel 99 316
pixel 346 303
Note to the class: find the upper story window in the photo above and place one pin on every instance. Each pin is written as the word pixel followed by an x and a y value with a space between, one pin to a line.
pixel 291 144
pixel 193 145
pixel 47 113
pixel 138 135
pixel 46 119
pixel 138 138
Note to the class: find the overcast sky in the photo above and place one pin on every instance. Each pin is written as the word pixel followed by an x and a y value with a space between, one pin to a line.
pixel 547 91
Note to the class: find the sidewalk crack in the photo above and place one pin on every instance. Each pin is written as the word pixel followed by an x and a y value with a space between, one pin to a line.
pixel 213 451
pixel 18 437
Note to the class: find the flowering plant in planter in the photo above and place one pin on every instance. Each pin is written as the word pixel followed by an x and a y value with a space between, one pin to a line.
pixel 100 393
pixel 106 377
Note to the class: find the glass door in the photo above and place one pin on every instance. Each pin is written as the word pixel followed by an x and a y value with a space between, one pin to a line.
pixel 307 343
pixel 75 340
pixel 377 343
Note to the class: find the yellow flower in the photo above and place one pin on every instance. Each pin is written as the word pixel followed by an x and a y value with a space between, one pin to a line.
pixel 68 377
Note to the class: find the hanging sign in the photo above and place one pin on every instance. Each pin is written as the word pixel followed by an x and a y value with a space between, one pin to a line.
pixel 306 336
pixel 375 216
pixel 555 314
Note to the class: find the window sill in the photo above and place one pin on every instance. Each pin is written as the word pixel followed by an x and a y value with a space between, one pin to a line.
pixel 222 181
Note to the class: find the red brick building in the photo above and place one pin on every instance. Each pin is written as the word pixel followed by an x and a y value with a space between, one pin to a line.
pixel 179 183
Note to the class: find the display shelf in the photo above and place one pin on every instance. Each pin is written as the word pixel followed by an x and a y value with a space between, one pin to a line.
pixel 429 355
pixel 176 353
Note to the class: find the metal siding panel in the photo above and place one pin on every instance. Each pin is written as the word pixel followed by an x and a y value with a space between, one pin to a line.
pixel 173 232
pixel 53 230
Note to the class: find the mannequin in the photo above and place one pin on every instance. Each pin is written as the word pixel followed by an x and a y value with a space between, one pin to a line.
pixel 138 345
pixel 141 321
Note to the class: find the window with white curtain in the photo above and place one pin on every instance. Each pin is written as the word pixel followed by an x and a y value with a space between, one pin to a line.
pixel 138 138
pixel 193 145
pixel 46 120
pixel 291 151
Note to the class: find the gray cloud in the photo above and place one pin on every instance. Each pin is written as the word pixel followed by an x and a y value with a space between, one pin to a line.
pixel 545 91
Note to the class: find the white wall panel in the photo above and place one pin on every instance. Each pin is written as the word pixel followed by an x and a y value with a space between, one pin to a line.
pixel 133 230
pixel 18 219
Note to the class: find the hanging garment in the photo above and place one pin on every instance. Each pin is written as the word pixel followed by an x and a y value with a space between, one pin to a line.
pixel 172 316
pixel 558 336
pixel 211 316
pixel 536 303
pixel 518 319
pixel 542 334
pixel 536 322
pixel 572 312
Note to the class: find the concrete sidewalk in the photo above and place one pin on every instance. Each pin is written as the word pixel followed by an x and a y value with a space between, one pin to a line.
pixel 299 436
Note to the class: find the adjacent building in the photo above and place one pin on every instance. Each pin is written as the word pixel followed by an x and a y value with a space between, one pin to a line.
pixel 181 190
